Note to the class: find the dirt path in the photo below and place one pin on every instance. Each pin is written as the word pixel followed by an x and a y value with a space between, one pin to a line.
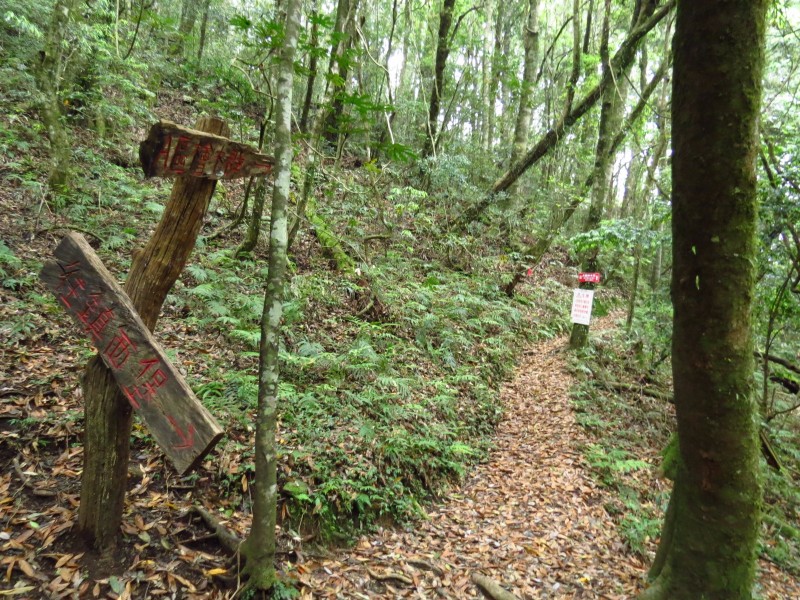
pixel 531 517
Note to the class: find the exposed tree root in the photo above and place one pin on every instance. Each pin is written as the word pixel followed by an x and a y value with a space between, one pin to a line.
pixel 229 541
pixel 491 589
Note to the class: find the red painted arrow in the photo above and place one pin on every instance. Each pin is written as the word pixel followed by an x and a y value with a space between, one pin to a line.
pixel 187 438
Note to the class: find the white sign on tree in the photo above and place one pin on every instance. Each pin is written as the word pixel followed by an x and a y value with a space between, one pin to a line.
pixel 582 306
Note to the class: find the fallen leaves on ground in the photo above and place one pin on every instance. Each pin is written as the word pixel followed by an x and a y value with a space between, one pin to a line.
pixel 531 518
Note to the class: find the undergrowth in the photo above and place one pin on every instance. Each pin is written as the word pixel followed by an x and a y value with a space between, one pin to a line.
pixel 628 428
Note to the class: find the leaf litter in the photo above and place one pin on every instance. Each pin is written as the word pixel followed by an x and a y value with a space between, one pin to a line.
pixel 530 518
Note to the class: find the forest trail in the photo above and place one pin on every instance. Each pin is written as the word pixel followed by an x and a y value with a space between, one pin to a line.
pixel 531 517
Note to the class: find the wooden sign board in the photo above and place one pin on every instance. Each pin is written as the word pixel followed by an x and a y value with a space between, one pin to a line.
pixel 589 277
pixel 179 423
pixel 171 150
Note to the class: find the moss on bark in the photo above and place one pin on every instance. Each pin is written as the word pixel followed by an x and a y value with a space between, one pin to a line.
pixel 711 538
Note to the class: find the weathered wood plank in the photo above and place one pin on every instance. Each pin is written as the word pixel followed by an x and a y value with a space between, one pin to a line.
pixel 180 424
pixel 172 150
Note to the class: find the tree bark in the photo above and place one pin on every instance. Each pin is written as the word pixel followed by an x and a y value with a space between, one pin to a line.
pixel 186 25
pixel 312 69
pixel 717 490
pixel 437 89
pixel 338 69
pixel 203 30
pixel 48 80
pixel 259 547
pixel 107 426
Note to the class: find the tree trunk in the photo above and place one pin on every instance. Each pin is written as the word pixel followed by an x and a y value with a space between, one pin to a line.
pixel 437 89
pixel 48 79
pixel 259 195
pixel 259 547
pixel 203 30
pixel 494 79
pixel 522 127
pixel 338 69
pixel 107 426
pixel 188 17
pixel 611 110
pixel 531 42
pixel 254 226
pixel 575 72
pixel 312 69
pixel 717 491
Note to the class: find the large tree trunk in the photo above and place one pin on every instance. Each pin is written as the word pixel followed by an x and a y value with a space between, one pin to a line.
pixel 259 547
pixel 107 426
pixel 437 89
pixel 711 543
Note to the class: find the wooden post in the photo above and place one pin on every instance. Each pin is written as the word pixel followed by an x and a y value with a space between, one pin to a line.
pixel 107 426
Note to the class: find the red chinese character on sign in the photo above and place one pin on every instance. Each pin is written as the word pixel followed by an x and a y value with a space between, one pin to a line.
pixel 203 153
pixel 134 395
pixel 165 148
pixel 589 277
pixel 119 349
pixel 70 284
pixel 95 317
pixel 232 162
pixel 182 150
pixel 152 376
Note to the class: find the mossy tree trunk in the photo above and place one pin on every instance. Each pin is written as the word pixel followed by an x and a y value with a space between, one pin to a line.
pixel 437 87
pixel 259 547
pixel 338 69
pixel 48 80
pixel 711 537
pixel 522 126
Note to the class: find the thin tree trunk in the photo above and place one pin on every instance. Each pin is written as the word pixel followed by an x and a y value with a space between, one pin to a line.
pixel 259 547
pixel 312 69
pixel 437 89
pixel 486 75
pixel 48 79
pixel 203 30
pixel 338 69
pixel 717 491
pixel 259 195
pixel 575 73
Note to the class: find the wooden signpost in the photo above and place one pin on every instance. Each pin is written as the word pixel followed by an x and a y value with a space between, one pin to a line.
pixel 184 429
pixel 131 371
pixel 171 150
